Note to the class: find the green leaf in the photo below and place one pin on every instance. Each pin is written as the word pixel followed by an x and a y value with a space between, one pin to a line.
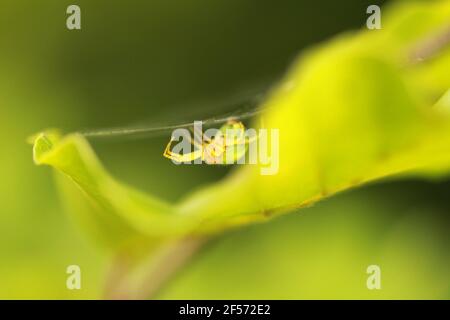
pixel 350 111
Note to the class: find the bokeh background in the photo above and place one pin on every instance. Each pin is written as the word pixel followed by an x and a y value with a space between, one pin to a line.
pixel 162 61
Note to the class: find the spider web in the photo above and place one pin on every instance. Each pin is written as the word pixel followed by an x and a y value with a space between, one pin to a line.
pixel 240 106
pixel 247 104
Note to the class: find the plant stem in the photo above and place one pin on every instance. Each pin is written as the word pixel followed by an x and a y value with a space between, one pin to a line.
pixel 145 279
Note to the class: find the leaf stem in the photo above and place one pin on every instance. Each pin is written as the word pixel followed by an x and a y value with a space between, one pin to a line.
pixel 145 279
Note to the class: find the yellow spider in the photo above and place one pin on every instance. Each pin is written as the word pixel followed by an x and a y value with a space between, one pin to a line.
pixel 214 150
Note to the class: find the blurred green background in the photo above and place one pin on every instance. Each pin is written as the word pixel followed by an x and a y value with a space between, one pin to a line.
pixel 163 61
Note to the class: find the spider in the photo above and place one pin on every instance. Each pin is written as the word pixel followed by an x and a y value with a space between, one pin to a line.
pixel 214 150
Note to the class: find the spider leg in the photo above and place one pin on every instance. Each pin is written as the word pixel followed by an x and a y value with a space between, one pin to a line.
pixel 195 143
pixel 198 132
pixel 167 153
pixel 188 157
